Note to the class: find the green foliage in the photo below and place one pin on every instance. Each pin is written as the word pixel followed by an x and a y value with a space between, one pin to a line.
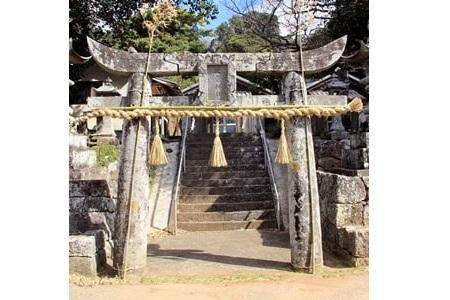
pixel 350 17
pixel 117 22
pixel 106 154
pixel 183 81
pixel 237 34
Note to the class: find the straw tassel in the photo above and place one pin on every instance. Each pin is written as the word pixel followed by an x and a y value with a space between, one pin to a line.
pixel 356 105
pixel 157 152
pixel 217 157
pixel 283 154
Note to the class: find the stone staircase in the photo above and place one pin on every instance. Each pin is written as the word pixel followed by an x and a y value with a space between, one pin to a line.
pixel 230 198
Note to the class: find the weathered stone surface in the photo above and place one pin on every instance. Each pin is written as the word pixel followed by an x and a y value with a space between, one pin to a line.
pixel 351 261
pixel 108 174
pixel 76 204
pixel 350 172
pixel 327 163
pixel 131 223
pixel 329 234
pixel 92 204
pixel 78 141
pixel 356 158
pixel 358 261
pixel 366 215
pixel 281 181
pixel 303 197
pixel 86 188
pixel 354 239
pixel 80 159
pixel 100 238
pixel 365 179
pixel 345 214
pixel 331 148
pixel 80 222
pixel 161 189
pixel 162 64
pixel 338 135
pixel 86 266
pixel 100 204
pixel 82 245
pixel 334 188
pixel 359 140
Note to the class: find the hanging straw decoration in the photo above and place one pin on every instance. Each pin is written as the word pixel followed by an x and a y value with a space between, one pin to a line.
pixel 283 154
pixel 217 157
pixel 157 152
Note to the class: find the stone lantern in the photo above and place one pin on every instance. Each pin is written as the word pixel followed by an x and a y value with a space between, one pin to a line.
pixel 105 131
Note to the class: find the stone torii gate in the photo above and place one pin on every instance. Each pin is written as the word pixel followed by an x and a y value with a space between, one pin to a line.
pixel 217 85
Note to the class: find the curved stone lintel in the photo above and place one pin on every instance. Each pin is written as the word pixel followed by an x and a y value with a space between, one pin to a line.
pixel 120 62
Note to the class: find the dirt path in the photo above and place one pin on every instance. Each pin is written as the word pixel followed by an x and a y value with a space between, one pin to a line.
pixel 304 287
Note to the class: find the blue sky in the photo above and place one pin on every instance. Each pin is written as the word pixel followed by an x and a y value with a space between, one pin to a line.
pixel 224 15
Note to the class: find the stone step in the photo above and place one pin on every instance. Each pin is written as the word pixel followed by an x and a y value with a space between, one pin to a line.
pixel 224 207
pixel 243 167
pixel 242 150
pixel 225 182
pixel 225 143
pixel 245 215
pixel 231 225
pixel 214 199
pixel 229 155
pixel 224 136
pixel 225 175
pixel 231 190
pixel 230 162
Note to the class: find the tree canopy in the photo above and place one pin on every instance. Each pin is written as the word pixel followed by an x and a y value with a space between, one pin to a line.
pixel 237 35
pixel 118 23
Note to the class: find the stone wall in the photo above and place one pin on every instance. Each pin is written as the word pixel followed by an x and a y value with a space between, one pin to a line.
pixel 342 150
pixel 83 171
pixel 87 252
pixel 344 210
pixel 92 207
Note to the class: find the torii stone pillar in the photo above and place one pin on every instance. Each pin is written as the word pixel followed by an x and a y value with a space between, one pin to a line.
pixel 131 223
pixel 305 232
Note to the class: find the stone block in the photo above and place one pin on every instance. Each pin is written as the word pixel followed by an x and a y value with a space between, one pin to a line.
pixel 345 214
pixel 365 179
pixel 351 261
pixel 82 245
pixel 84 188
pixel 334 188
pixel 98 220
pixel 80 222
pixel 100 204
pixel 358 261
pixel 366 215
pixel 86 266
pixel 81 159
pixel 76 223
pixel 329 235
pixel 355 240
pixel 327 163
pixel 355 158
pixel 76 204
pixel 92 204
pixel 78 141
pixel 359 140
pixel 100 238
pixel 338 135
